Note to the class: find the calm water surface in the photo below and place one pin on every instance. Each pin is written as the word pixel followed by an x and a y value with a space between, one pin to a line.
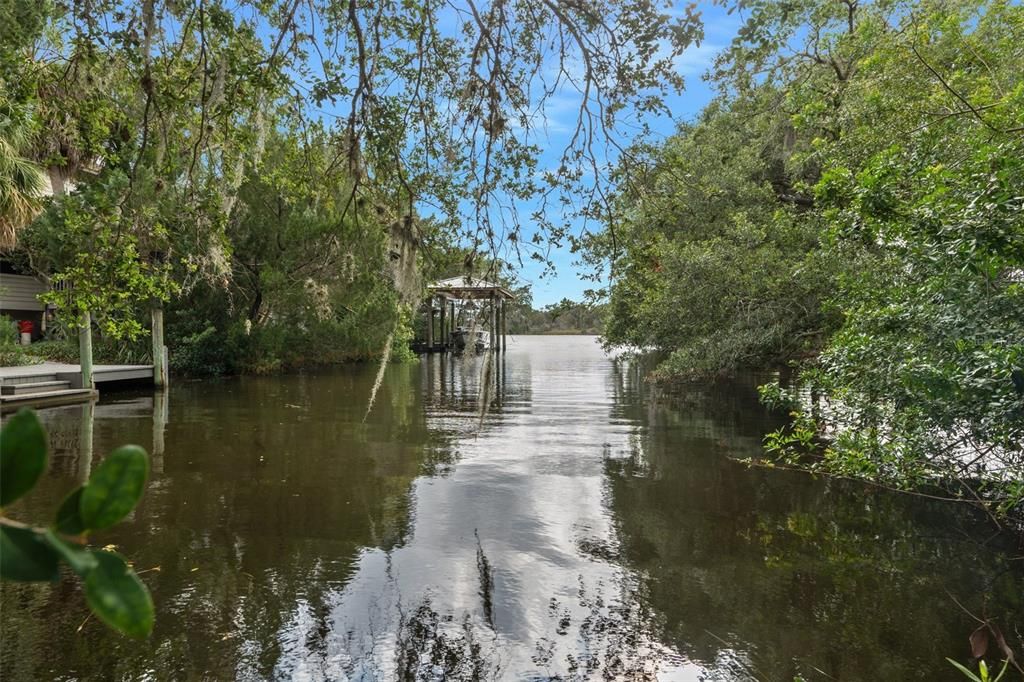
pixel 583 529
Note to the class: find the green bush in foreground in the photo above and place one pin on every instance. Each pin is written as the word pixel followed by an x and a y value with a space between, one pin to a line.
pixel 27 553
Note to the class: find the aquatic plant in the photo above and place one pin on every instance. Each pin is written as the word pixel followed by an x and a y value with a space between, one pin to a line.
pixel 983 673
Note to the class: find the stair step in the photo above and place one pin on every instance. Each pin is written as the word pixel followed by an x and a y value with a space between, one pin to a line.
pixel 34 387
pixel 28 378
pixel 59 397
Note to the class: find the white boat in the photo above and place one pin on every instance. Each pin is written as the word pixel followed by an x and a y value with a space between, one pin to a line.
pixel 460 340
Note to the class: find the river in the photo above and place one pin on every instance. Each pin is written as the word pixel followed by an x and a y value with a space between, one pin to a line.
pixel 583 528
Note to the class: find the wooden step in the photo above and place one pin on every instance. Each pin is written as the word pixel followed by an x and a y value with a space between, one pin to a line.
pixel 59 397
pixel 28 378
pixel 34 387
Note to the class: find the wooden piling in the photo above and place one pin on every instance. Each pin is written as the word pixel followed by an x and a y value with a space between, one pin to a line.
pixel 494 323
pixel 430 324
pixel 444 329
pixel 159 350
pixel 504 325
pixel 85 350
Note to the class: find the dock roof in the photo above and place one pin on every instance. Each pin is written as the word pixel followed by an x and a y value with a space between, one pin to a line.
pixel 467 287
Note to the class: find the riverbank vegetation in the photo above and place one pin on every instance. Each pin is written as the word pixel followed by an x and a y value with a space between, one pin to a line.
pixel 850 204
pixel 281 180
pixel 565 317
pixel 280 175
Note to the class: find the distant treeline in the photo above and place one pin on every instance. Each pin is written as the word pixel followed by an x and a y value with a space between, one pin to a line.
pixel 564 317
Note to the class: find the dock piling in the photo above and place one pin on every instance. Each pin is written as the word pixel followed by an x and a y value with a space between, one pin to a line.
pixel 159 350
pixel 85 350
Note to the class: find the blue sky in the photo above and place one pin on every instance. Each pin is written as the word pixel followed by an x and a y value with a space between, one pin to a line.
pixel 719 29
pixel 560 114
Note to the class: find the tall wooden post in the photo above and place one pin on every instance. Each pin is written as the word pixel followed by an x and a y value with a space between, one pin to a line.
pixel 504 325
pixel 430 324
pixel 494 324
pixel 85 350
pixel 159 350
pixel 444 328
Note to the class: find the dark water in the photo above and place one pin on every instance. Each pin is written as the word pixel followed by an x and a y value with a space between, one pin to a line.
pixel 585 529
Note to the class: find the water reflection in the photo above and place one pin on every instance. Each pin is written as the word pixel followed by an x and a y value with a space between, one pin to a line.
pixel 507 572
pixel 763 574
pixel 582 528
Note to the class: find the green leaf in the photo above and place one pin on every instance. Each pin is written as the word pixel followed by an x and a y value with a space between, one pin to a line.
pixel 22 455
pixel 24 555
pixel 117 596
pixel 81 560
pixel 1006 666
pixel 114 488
pixel 69 517
pixel 967 673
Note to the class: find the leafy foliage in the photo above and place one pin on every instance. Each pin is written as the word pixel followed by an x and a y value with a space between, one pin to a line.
pixel 852 203
pixel 258 157
pixel 21 180
pixel 564 317
pixel 717 263
pixel 23 457
pixel 983 673
pixel 112 589
pixel 12 353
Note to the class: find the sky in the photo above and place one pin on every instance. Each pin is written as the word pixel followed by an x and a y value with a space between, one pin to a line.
pixel 719 29
pixel 560 113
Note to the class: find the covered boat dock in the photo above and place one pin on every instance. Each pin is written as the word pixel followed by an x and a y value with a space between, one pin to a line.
pixel 441 315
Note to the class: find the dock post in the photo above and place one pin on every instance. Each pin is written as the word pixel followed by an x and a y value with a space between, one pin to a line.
pixel 494 324
pixel 444 331
pixel 504 325
pixel 85 350
pixel 430 324
pixel 159 356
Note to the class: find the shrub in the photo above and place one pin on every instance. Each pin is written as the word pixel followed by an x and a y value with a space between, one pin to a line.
pixel 11 353
pixel 202 353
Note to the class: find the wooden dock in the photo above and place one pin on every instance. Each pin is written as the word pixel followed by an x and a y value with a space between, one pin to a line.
pixel 440 306
pixel 55 383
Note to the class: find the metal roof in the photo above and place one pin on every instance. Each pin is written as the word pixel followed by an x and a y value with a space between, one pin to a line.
pixel 467 287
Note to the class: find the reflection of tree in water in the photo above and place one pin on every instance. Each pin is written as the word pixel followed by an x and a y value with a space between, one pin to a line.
pixel 432 647
pixel 592 638
pixel 799 576
pixel 284 530
pixel 452 391
pixel 269 490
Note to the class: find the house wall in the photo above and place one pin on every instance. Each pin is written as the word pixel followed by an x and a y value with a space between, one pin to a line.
pixel 20 292
pixel 19 300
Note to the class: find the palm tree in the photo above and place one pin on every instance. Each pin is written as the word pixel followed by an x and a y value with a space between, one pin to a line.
pixel 22 182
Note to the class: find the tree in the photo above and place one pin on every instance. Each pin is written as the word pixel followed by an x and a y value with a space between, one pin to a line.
pixel 857 185
pixel 716 264
pixel 21 180
pixel 410 109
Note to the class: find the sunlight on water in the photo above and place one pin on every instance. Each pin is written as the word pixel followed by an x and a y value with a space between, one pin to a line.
pixel 585 529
